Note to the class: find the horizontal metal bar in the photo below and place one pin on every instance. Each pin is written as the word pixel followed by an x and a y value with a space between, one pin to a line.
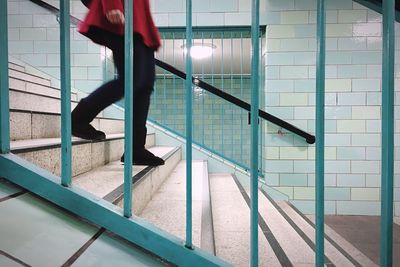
pixel 211 29
pixel 103 213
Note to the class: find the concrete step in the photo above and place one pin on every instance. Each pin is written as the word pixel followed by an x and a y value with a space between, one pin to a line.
pixel 28 101
pixel 26 125
pixel 107 181
pixel 339 251
pixel 289 239
pixel 15 66
pixel 86 155
pixel 231 219
pixel 21 75
pixel 167 209
pixel 37 88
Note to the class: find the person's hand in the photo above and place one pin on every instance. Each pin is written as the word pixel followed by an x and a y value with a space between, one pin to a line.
pixel 115 16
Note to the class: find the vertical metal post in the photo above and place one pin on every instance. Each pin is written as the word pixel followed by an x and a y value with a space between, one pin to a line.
pixel 233 109
pixel 174 82
pixel 222 118
pixel 255 58
pixel 262 103
pixel 320 134
pixel 202 96
pixel 4 89
pixel 66 143
pixel 388 57
pixel 241 96
pixel 189 126
pixel 164 114
pixel 212 101
pixel 128 108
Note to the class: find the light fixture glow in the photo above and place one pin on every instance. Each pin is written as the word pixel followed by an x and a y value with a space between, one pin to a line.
pixel 200 51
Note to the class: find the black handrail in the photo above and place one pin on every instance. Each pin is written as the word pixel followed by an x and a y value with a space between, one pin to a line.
pixel 238 102
pixel 310 139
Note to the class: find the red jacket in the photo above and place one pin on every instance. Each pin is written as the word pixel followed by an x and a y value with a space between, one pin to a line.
pixel 142 21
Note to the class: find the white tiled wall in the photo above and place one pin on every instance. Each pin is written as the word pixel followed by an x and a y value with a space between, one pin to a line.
pixel 34 39
pixel 353 99
pixel 172 13
pixel 34 34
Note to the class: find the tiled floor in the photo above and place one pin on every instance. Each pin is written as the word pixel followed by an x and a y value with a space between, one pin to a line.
pixel 34 232
pixel 363 233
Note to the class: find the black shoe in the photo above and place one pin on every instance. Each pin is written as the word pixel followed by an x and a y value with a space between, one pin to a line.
pixel 87 131
pixel 145 157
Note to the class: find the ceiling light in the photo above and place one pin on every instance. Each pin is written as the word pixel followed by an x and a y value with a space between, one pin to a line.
pixel 200 51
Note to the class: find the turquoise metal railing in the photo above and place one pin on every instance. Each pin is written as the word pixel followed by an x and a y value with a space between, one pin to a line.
pixel 128 107
pixel 4 91
pixel 255 88
pixel 189 125
pixel 320 136
pixel 60 189
pixel 65 68
pixel 160 243
pixel 387 157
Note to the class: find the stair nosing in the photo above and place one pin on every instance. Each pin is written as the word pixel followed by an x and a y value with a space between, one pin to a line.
pixel 36 94
pixel 206 213
pixel 303 235
pixel 29 74
pixel 10 67
pixel 328 238
pixel 117 194
pixel 50 87
pixel 276 247
pixel 58 144
pixel 55 114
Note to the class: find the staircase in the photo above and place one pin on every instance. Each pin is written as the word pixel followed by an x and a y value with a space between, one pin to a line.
pixel 221 213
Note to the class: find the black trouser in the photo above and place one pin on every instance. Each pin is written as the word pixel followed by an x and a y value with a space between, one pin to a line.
pixel 112 91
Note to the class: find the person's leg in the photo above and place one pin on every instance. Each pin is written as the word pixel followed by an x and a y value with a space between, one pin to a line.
pixel 144 76
pixel 90 106
pixel 113 91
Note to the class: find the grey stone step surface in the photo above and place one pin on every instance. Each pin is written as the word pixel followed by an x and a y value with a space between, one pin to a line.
pixel 167 208
pixel 40 89
pixel 294 246
pixel 15 66
pixel 21 75
pixel 36 83
pixel 35 125
pixel 107 181
pixel 338 252
pixel 23 100
pixel 86 155
pixel 231 216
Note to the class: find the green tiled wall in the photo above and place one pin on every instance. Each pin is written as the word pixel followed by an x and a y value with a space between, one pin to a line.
pixel 217 124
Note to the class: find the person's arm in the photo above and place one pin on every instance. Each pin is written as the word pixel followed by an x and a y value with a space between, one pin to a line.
pixel 114 11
